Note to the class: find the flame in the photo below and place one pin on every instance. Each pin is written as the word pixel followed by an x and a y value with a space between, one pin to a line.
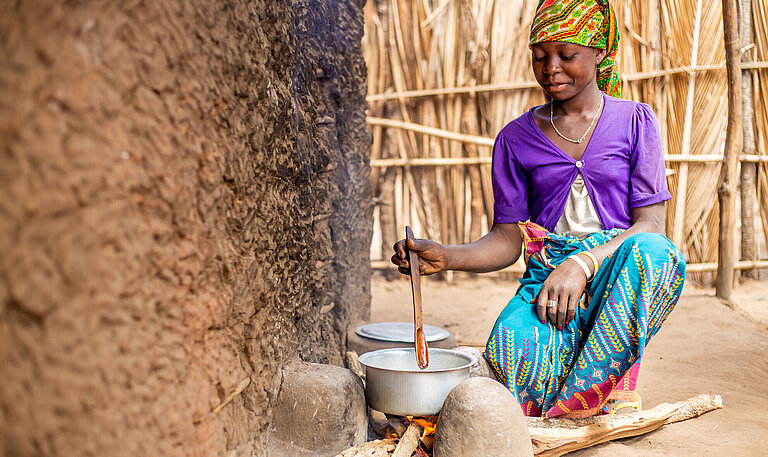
pixel 427 423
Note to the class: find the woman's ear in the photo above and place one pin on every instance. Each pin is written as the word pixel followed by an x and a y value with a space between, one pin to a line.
pixel 601 53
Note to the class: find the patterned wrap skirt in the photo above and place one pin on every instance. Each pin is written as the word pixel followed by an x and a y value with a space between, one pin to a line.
pixel 596 358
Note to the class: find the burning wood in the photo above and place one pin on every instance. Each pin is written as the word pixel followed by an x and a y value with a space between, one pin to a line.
pixel 427 438
pixel 427 423
pixel 396 427
pixel 418 438
pixel 427 442
pixel 409 441
pixel 405 437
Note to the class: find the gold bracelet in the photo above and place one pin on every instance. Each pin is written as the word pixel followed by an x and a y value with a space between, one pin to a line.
pixel 591 257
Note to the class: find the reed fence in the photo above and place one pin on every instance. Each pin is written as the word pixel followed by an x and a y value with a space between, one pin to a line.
pixel 446 75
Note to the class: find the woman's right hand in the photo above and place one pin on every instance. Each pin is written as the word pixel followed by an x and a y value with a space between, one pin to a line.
pixel 432 256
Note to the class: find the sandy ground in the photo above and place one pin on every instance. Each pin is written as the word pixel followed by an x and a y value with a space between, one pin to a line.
pixel 704 347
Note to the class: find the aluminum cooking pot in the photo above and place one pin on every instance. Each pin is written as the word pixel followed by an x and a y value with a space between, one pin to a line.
pixel 396 385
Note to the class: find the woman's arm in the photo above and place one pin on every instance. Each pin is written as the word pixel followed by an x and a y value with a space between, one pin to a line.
pixel 498 249
pixel 646 219
pixel 566 282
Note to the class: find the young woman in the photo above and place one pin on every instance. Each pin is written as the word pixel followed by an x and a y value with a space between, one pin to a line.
pixel 579 183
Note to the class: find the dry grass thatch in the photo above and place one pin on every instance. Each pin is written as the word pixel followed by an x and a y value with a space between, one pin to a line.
pixel 463 67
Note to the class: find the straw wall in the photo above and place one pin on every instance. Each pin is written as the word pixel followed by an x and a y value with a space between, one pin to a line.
pixel 463 67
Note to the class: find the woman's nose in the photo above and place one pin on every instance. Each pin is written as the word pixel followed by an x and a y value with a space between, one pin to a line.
pixel 552 65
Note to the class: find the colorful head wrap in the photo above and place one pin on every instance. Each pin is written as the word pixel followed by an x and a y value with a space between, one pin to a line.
pixel 588 23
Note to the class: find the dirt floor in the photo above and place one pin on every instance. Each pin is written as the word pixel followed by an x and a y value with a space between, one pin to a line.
pixel 704 347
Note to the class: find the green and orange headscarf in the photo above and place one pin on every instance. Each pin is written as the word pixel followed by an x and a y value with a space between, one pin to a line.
pixel 588 23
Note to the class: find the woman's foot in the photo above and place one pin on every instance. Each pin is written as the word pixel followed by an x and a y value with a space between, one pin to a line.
pixel 623 406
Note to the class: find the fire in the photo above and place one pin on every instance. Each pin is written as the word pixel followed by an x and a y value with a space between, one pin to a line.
pixel 427 423
pixel 396 430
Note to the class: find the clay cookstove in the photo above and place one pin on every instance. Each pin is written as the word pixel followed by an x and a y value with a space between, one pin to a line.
pixel 410 436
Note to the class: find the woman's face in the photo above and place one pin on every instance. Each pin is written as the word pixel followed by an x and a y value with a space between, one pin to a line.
pixel 565 69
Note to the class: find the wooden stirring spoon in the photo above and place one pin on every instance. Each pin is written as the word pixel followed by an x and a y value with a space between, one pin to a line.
pixel 422 351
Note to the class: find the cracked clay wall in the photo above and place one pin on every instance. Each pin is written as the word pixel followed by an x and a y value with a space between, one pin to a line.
pixel 185 209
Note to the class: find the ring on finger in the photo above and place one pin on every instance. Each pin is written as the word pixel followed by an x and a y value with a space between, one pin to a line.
pixel 551 304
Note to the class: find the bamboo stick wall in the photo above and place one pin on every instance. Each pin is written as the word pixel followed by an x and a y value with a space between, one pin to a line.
pixel 463 67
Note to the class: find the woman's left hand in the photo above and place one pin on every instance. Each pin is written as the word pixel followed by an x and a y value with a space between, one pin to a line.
pixel 564 286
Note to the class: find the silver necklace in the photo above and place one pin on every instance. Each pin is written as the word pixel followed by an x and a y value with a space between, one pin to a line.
pixel 594 118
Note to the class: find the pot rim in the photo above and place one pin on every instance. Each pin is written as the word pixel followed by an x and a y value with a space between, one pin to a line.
pixel 471 360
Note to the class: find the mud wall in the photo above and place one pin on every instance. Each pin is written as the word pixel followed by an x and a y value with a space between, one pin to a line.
pixel 185 208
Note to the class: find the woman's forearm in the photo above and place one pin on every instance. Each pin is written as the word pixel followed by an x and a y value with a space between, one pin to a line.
pixel 649 219
pixel 498 249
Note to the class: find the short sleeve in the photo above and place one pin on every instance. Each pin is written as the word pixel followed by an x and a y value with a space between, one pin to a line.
pixel 647 175
pixel 510 185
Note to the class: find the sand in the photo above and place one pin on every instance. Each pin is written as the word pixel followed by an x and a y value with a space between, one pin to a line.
pixel 704 347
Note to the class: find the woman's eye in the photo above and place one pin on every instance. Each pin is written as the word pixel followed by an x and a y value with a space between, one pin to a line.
pixel 538 59
pixel 570 57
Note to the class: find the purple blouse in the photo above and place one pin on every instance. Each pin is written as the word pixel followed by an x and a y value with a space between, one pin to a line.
pixel 622 167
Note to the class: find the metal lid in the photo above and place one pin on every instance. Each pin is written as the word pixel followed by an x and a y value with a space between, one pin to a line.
pixel 399 332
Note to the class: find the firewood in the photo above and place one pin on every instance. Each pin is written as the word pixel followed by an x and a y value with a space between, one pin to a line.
pixel 379 422
pixel 694 407
pixel 378 448
pixel 555 437
pixel 353 363
pixel 398 424
pixel 409 441
pixel 428 441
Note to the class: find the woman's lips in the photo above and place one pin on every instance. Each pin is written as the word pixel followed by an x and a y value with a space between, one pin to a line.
pixel 555 87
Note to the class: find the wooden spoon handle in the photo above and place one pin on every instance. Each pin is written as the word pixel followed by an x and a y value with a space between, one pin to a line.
pixel 420 341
